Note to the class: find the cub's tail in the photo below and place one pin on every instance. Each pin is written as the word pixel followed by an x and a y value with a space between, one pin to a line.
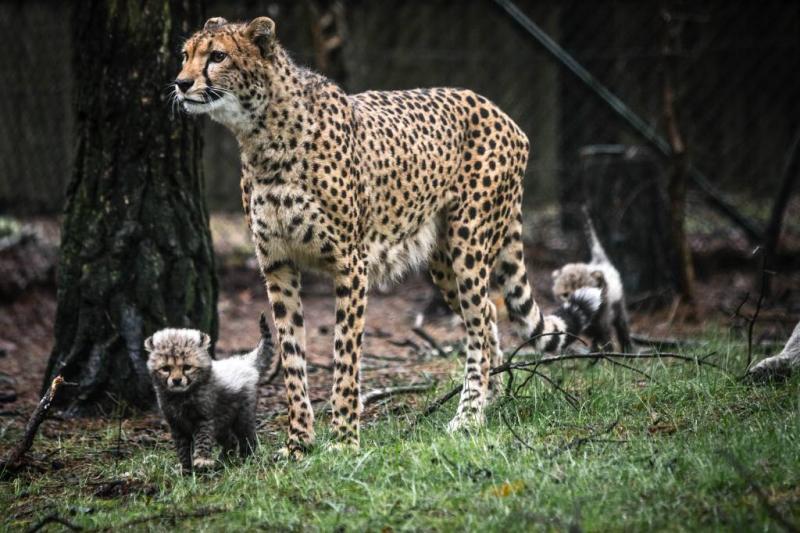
pixel 599 255
pixel 263 357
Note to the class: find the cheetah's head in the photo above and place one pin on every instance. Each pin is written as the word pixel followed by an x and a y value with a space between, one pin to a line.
pixel 573 276
pixel 226 69
pixel 179 359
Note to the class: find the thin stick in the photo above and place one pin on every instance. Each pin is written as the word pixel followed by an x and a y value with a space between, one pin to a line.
pixel 53 518
pixel 424 335
pixel 753 319
pixel 375 395
pixel 516 435
pixel 38 416
pixel 571 399
pixel 629 367
pixel 577 442
pixel 663 341
pixel 173 517
pixel 386 392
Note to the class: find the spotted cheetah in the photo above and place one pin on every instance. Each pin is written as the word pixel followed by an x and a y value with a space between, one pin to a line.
pixel 365 187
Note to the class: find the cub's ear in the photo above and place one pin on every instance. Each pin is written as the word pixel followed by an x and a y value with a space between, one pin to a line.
pixel 262 32
pixel 214 23
pixel 599 278
pixel 556 273
pixel 148 344
pixel 204 341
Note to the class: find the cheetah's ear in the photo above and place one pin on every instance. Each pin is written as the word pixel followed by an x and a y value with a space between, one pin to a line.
pixel 262 32
pixel 148 344
pixel 556 273
pixel 599 278
pixel 204 341
pixel 214 23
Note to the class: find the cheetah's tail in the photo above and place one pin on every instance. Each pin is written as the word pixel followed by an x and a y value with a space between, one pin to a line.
pixel 553 332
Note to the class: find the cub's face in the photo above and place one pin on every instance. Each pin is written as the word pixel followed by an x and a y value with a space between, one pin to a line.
pixel 572 277
pixel 222 65
pixel 178 359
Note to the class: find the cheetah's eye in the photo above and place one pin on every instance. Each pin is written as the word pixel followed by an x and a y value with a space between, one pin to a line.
pixel 564 295
pixel 217 56
pixel 186 368
pixel 166 369
pixel 184 56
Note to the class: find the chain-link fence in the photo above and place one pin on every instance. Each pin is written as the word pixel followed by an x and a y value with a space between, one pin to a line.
pixel 733 68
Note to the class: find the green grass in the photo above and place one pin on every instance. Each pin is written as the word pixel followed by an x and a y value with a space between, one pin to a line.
pixel 668 463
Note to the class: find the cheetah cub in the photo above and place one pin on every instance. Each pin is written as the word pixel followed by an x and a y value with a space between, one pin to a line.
pixel 599 272
pixel 204 400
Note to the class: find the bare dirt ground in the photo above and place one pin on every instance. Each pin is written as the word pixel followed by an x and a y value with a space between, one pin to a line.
pixel 393 352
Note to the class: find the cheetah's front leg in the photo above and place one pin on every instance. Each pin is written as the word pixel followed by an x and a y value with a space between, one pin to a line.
pixel 283 286
pixel 351 301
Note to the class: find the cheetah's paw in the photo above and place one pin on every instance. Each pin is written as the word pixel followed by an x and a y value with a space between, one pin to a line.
pixel 202 464
pixel 465 422
pixel 288 453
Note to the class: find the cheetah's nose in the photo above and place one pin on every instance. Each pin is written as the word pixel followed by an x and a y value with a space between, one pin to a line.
pixel 176 382
pixel 184 85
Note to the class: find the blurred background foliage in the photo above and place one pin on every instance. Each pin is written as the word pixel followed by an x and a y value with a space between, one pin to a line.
pixel 736 80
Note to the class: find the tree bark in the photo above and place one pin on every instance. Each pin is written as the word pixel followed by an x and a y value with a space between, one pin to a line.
pixel 136 251
pixel 679 172
pixel 328 34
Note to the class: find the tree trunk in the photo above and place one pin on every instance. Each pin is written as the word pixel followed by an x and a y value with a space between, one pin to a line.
pixel 328 34
pixel 679 172
pixel 136 251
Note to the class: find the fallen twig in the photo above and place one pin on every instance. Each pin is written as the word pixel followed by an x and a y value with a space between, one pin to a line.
pixel 53 518
pixel 629 367
pixel 375 395
pixel 569 397
pixel 13 459
pixel 386 392
pixel 577 442
pixel 173 517
pixel 424 335
pixel 405 343
pixel 663 341
pixel 752 320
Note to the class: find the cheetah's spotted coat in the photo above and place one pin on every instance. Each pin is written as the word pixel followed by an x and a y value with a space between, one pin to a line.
pixel 364 187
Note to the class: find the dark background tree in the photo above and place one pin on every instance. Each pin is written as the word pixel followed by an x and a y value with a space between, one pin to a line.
pixel 136 251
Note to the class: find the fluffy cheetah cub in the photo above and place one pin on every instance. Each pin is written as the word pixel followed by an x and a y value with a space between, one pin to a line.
pixel 599 272
pixel 203 400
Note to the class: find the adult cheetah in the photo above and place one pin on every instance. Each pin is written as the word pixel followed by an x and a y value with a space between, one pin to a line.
pixel 365 187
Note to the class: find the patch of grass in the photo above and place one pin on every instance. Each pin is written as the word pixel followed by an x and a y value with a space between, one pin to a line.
pixel 669 462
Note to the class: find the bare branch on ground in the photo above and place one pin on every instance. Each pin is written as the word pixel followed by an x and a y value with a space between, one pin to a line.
pixel 386 392
pixel 14 458
pixel 53 518
pixel 424 335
